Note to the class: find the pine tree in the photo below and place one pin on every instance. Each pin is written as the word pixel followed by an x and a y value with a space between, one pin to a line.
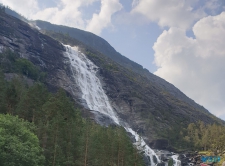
pixel 2 93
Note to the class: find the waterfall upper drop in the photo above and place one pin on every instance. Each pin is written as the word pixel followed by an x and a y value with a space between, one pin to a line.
pixel 84 73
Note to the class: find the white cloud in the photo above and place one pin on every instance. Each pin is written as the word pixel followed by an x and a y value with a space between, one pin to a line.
pixel 213 6
pixel 24 7
pixel 135 3
pixel 196 66
pixel 68 12
pixel 210 32
pixel 103 19
pixel 171 13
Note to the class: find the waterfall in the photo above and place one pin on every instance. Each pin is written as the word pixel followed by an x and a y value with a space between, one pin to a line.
pixel 176 161
pixel 141 145
pixel 84 73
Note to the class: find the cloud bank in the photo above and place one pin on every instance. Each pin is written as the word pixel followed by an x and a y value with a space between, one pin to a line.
pixel 195 65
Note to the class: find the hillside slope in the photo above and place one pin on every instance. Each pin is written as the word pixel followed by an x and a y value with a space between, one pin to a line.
pixel 146 102
pixel 151 107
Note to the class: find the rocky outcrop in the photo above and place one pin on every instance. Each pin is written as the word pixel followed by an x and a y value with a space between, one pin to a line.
pixel 40 49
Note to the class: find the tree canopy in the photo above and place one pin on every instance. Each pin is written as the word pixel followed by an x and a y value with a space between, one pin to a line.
pixel 18 143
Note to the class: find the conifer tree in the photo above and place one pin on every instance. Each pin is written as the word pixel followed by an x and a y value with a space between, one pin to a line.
pixel 18 144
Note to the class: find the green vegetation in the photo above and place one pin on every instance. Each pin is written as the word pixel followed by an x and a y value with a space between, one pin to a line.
pixel 53 120
pixel 62 37
pixel 198 136
pixel 210 138
pixel 10 62
pixel 18 144
pixel 170 162
pixel 206 137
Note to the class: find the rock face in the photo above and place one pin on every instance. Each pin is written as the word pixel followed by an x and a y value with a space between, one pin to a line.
pixel 146 102
pixel 40 49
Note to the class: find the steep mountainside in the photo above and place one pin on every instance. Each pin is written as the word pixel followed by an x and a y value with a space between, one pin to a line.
pixel 150 108
pixel 146 102
pixel 102 46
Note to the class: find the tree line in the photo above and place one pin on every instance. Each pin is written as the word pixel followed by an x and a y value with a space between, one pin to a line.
pixel 198 136
pixel 206 137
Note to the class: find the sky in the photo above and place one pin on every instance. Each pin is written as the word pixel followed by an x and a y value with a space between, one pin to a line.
pixel 181 41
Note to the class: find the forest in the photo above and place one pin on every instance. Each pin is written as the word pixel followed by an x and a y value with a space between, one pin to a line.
pixel 199 136
pixel 41 128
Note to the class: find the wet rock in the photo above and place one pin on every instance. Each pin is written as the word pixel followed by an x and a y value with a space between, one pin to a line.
pixel 132 137
pixel 103 120
pixel 155 159
pixel 159 144
pixel 161 164
pixel 147 160
pixel 164 155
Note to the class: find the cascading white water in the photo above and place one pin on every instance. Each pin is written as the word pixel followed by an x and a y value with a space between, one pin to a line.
pixel 84 72
pixel 141 145
pixel 176 162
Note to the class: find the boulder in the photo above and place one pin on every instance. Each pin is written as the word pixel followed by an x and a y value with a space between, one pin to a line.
pixel 159 144
pixel 161 164
pixel 155 159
